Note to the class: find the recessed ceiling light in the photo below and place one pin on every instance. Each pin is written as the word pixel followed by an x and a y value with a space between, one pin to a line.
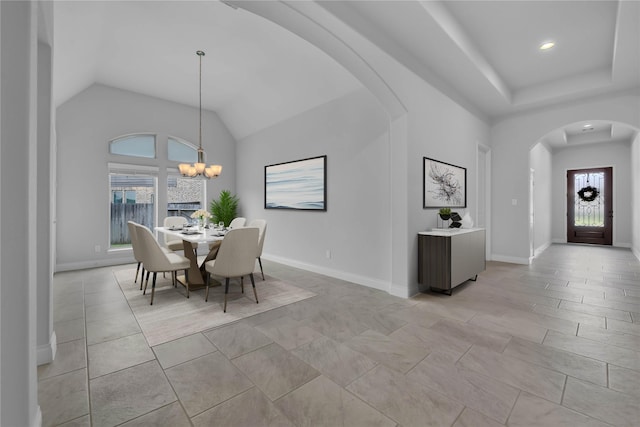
pixel 547 45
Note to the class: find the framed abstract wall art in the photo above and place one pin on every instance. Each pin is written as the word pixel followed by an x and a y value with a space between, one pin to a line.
pixel 299 184
pixel 444 185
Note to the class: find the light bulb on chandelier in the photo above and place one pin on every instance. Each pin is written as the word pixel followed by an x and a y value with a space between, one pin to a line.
pixel 199 168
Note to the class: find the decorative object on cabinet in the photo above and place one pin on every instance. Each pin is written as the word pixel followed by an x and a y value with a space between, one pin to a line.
pixel 300 185
pixel 444 185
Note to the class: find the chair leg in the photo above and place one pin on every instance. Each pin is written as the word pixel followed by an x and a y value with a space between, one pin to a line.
pixel 142 277
pixel 253 283
pixel 226 291
pixel 137 271
pixel 153 286
pixel 145 283
pixel 206 293
pixel 261 270
pixel 242 283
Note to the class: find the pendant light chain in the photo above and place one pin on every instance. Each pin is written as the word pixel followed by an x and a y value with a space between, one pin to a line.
pixel 200 168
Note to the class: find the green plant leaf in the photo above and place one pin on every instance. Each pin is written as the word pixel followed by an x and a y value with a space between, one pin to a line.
pixel 224 208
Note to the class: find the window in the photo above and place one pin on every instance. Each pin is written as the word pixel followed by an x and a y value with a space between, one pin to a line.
pixel 181 151
pixel 185 196
pixel 139 145
pixel 133 199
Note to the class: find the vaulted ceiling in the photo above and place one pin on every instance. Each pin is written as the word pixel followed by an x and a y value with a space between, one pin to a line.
pixel 483 54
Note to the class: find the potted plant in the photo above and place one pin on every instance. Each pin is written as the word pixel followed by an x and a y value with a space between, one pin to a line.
pixel 224 208
pixel 445 213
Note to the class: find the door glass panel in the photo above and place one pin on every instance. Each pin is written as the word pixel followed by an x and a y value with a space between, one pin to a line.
pixel 589 199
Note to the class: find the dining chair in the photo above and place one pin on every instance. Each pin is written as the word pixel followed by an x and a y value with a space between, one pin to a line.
pixel 137 254
pixel 261 224
pixel 156 260
pixel 172 242
pixel 237 222
pixel 236 259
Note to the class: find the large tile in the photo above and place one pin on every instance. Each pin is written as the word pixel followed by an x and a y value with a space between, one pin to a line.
pixel 574 316
pixel 535 379
pixel 432 340
pixel 274 370
pixel 624 380
pixel 118 354
pixel 84 421
pixel 64 397
pixel 321 402
pixel 596 310
pixel 404 400
pixel 516 327
pixel 384 349
pixel 237 339
pixel 127 394
pixel 111 328
pixel 288 332
pixel 532 411
pixel 480 392
pixel 609 337
pixel 340 326
pixel 473 334
pixel 182 350
pixel 471 418
pixel 171 415
pixel 616 355
pixel 107 311
pixel 336 361
pixel 69 330
pixel 206 381
pixel 602 403
pixel 70 356
pixel 251 408
pixel 564 362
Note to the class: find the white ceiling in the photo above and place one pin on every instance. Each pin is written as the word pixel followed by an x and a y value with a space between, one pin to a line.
pixel 484 54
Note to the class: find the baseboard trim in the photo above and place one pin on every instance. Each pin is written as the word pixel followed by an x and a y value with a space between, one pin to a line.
pixel 45 353
pixel 37 421
pixel 509 259
pixel 636 252
pixel 82 265
pixel 355 278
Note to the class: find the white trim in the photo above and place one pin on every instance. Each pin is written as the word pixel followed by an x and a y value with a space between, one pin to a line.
pixel 636 252
pixel 541 249
pixel 37 420
pixel 81 265
pixel 131 168
pixel 46 353
pixel 354 278
pixel 509 259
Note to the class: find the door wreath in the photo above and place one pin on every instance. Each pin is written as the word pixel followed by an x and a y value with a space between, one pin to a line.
pixel 588 193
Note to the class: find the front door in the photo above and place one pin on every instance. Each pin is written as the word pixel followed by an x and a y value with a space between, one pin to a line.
pixel 590 206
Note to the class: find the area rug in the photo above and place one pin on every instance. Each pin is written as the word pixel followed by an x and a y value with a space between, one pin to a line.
pixel 173 316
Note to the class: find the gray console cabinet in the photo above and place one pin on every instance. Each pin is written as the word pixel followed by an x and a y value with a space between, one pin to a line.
pixel 447 259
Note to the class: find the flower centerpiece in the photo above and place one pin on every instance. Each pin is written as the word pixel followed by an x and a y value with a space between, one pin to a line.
pixel 202 216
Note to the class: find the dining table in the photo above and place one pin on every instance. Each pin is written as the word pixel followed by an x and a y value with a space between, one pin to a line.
pixel 192 237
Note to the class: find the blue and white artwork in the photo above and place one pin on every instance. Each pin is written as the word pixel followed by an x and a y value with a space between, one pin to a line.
pixel 296 185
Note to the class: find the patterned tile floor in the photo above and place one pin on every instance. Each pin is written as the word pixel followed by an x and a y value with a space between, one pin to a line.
pixel 553 343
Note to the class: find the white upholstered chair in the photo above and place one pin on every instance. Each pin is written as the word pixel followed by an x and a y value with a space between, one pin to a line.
pixel 236 258
pixel 237 222
pixel 137 254
pixel 156 260
pixel 261 224
pixel 174 243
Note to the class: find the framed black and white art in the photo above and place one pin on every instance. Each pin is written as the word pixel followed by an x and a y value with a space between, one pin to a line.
pixel 444 185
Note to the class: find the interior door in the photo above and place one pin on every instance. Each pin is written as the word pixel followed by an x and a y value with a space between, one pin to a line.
pixel 590 206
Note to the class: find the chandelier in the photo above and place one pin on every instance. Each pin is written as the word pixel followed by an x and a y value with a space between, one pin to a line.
pixel 199 168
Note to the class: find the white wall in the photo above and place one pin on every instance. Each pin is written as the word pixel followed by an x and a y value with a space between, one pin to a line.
pixel 85 125
pixel 540 162
pixel 616 155
pixel 635 196
pixel 353 133
pixel 511 141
